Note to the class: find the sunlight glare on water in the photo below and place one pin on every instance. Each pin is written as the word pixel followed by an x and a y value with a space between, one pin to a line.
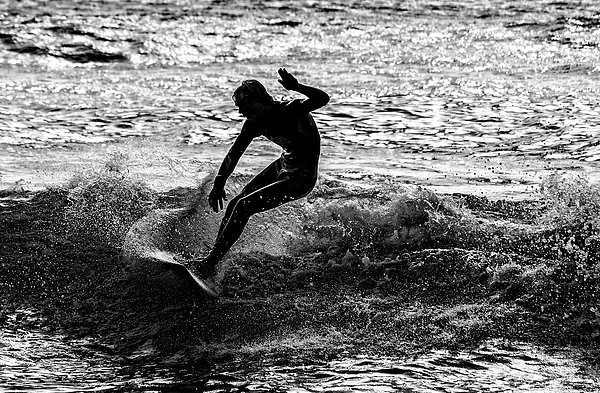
pixel 34 361
pixel 437 80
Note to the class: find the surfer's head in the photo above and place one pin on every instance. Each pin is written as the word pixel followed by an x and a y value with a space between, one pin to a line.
pixel 252 99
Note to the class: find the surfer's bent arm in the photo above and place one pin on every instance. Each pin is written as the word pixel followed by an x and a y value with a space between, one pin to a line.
pixel 316 98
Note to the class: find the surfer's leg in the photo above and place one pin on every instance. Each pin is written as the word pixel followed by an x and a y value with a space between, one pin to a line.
pixel 263 178
pixel 265 198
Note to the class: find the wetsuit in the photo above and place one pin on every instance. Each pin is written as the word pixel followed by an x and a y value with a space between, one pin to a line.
pixel 290 125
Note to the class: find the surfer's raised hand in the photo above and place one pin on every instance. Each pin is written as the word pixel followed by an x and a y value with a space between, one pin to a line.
pixel 216 198
pixel 317 98
pixel 287 80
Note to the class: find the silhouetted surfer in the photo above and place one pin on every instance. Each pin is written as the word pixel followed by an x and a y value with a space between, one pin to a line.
pixel 288 124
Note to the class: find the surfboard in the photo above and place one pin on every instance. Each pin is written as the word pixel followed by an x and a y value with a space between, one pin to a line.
pixel 168 260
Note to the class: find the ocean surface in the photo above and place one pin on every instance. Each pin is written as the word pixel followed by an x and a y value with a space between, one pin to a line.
pixel 482 97
pixel 486 98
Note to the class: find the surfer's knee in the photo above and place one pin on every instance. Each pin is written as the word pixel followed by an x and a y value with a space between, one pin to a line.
pixel 231 205
pixel 243 207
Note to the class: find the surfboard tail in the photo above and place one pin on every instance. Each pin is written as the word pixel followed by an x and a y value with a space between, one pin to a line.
pixel 169 261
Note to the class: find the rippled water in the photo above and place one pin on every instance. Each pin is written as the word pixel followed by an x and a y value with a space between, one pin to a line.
pixel 489 369
pixel 415 85
pixel 34 361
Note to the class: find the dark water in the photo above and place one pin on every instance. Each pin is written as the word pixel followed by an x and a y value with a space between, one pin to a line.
pixel 482 97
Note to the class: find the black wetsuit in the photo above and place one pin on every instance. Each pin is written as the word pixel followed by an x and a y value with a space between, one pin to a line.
pixel 290 125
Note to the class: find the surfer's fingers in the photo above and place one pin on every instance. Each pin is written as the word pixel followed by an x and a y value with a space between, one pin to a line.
pixel 216 204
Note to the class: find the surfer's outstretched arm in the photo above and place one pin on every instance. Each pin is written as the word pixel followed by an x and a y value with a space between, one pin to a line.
pixel 217 195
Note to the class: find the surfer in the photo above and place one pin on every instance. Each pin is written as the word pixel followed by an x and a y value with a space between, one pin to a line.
pixel 288 124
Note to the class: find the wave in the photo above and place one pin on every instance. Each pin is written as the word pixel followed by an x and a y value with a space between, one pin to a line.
pixel 73 53
pixel 362 217
pixel 77 53
pixel 578 69
pixel 576 31
pixel 348 257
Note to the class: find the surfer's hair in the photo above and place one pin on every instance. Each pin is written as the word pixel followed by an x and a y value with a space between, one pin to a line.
pixel 253 89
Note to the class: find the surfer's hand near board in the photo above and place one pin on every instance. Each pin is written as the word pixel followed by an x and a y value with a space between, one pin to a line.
pixel 217 198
